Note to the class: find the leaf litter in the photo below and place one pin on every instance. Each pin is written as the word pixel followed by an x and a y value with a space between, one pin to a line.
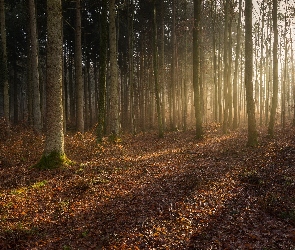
pixel 150 193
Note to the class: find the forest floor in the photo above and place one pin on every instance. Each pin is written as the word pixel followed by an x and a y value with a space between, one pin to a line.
pixel 150 193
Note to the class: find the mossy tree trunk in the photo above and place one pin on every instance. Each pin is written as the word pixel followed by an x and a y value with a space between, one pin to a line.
pixel 54 155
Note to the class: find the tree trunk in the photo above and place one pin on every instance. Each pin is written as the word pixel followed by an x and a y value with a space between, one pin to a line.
pixel 162 62
pixel 156 75
pixel 173 70
pixel 196 67
pixel 226 68
pixel 275 71
pixel 215 102
pixel 114 94
pixel 34 68
pixel 235 82
pixel 262 89
pixel 132 84
pixel 102 73
pixel 252 134
pixel 78 70
pixel 53 155
pixel 4 74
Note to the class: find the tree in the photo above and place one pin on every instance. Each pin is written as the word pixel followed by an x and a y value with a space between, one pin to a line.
pixel 173 70
pixel 252 134
pixel 4 61
pixel 235 81
pixel 78 70
pixel 37 122
pixel 114 92
pixel 156 74
pixel 54 155
pixel 196 67
pixel 226 79
pixel 275 70
pixel 102 73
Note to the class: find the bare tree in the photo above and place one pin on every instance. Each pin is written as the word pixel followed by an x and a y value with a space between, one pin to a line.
pixel 252 134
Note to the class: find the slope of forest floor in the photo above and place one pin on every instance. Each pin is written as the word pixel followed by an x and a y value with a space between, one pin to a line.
pixel 150 193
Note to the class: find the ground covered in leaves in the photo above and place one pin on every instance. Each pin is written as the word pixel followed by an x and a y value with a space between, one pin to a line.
pixel 150 193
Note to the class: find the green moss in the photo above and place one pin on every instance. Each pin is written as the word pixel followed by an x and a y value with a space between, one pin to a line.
pixel 52 161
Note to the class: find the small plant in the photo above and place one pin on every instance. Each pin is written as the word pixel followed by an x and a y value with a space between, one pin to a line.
pixel 19 191
pixel 39 184
pixel 64 204
pixel 84 234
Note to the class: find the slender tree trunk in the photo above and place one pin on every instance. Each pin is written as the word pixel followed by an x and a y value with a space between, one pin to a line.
pixel 131 68
pixel 226 68
pixel 235 81
pixel 252 134
pixel 215 103
pixel 78 70
pixel 102 73
pixel 4 61
pixel 229 71
pixel 34 67
pixel 162 62
pixel 185 86
pixel 268 70
pixel 219 82
pixel 114 94
pixel 275 71
pixel 196 67
pixel 173 70
pixel 262 89
pixel 284 82
pixel 156 75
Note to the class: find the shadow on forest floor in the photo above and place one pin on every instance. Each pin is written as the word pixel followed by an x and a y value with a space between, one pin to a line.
pixel 150 193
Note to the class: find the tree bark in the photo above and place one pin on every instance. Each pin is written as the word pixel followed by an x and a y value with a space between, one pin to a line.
pixel 235 82
pixel 78 70
pixel 102 73
pixel 37 123
pixel 114 91
pixel 196 67
pixel 4 61
pixel 252 134
pixel 275 71
pixel 156 75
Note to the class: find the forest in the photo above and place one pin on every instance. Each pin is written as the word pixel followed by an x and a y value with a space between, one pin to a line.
pixel 152 124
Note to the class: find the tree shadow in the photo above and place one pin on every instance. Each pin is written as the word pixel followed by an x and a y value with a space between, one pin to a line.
pixel 103 222
pixel 186 193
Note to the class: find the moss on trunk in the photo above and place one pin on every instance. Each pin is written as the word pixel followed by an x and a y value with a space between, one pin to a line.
pixel 52 161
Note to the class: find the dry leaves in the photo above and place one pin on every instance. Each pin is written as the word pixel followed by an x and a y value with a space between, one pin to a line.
pixel 150 193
